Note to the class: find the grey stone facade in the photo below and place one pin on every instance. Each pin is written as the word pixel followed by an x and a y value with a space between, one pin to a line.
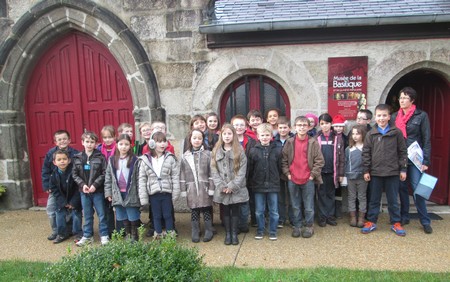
pixel 171 73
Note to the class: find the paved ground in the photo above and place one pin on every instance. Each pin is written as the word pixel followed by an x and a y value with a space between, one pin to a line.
pixel 24 235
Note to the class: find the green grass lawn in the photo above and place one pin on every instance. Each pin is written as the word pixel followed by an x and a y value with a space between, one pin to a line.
pixel 35 271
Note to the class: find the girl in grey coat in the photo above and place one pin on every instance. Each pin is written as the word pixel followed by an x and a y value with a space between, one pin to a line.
pixel 121 186
pixel 228 169
pixel 196 184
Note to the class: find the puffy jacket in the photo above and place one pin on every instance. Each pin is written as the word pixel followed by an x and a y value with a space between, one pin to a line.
pixel 112 187
pixel 315 158
pixel 150 183
pixel 65 193
pixel 96 175
pixel 384 155
pixel 48 166
pixel 264 168
pixel 418 129
pixel 224 177
pixel 195 178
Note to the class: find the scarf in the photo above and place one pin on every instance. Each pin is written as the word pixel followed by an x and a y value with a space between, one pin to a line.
pixel 108 150
pixel 402 119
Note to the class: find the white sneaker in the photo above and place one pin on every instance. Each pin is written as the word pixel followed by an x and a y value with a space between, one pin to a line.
pixel 104 240
pixel 84 241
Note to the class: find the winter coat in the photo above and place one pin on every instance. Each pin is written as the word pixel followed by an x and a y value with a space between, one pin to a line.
pixel 418 129
pixel 315 158
pixel 139 147
pixel 248 143
pixel 209 144
pixel 264 168
pixel 150 183
pixel 48 166
pixel 278 142
pixel 96 175
pixel 384 155
pixel 353 163
pixel 195 178
pixel 65 193
pixel 224 177
pixel 112 186
pixel 277 139
pixel 338 155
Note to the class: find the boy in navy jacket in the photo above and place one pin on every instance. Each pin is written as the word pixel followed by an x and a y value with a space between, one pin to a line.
pixel 62 141
pixel 66 195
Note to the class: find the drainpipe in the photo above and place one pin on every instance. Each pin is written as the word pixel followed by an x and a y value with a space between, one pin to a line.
pixel 271 25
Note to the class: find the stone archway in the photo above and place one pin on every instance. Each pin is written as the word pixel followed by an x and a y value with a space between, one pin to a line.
pixel 34 31
pixel 231 65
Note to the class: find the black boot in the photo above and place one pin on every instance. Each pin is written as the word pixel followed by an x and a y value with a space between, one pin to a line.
pixel 208 231
pixel 227 223
pixel 234 230
pixel 134 230
pixel 195 231
pixel 127 228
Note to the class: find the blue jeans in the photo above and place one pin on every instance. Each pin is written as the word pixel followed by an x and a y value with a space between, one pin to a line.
pixel 161 205
pixel 127 213
pixel 413 178
pixel 260 208
pixel 244 212
pixel 51 212
pixel 390 185
pixel 89 202
pixel 284 206
pixel 61 221
pixel 302 197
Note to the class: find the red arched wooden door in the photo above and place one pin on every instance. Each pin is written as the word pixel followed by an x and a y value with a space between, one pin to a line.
pixel 433 95
pixel 435 98
pixel 76 85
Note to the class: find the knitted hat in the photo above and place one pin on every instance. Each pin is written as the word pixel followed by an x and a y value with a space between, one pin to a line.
pixel 314 117
pixel 338 120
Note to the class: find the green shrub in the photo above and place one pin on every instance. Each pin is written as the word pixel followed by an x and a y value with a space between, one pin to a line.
pixel 2 190
pixel 121 260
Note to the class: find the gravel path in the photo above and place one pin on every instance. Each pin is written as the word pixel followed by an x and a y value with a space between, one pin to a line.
pixel 24 236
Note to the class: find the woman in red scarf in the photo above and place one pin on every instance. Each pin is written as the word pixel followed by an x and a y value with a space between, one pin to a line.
pixel 415 126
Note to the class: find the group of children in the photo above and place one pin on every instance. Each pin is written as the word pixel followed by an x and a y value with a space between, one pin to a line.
pixel 245 166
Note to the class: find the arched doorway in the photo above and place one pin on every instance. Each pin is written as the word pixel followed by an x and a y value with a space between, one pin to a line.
pixel 253 92
pixel 433 95
pixel 77 85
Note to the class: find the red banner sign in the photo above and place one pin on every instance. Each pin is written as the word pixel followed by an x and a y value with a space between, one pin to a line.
pixel 347 86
